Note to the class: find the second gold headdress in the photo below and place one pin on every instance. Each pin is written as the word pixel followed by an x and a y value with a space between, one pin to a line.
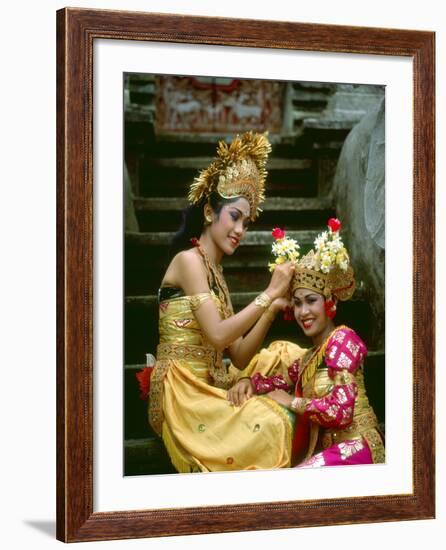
pixel 326 269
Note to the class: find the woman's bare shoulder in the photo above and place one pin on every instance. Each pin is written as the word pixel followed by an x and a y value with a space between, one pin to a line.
pixel 185 265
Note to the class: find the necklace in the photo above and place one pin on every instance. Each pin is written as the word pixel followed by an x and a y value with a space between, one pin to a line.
pixel 216 280
pixel 310 366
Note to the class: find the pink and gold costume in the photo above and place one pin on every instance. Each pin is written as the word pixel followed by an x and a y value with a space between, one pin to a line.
pixel 336 420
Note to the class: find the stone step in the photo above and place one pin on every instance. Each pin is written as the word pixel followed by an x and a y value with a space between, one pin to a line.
pixel 139 113
pixel 303 95
pixel 211 139
pixel 164 213
pixel 327 124
pixel 141 87
pixel 319 86
pixel 252 238
pixel 153 184
pixel 294 204
pixel 146 456
pixel 198 163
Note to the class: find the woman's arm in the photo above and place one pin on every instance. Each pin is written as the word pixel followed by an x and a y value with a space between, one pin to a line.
pixel 343 355
pixel 258 384
pixel 334 410
pixel 187 271
pixel 243 349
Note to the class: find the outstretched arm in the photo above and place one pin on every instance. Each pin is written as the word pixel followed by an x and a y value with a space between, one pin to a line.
pixel 243 349
pixel 188 272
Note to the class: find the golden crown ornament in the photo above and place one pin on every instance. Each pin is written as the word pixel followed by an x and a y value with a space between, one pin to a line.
pixel 237 171
pixel 326 269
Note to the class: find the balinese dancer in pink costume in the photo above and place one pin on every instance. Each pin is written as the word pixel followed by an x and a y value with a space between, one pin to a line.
pixel 325 388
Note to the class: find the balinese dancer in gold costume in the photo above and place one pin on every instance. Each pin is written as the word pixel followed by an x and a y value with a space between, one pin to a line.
pixel 325 387
pixel 188 405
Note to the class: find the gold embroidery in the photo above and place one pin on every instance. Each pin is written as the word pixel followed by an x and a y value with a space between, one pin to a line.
pixel 376 446
pixel 215 279
pixel 309 366
pixel 189 352
pixel 357 429
pixel 156 416
pixel 343 378
pixel 186 352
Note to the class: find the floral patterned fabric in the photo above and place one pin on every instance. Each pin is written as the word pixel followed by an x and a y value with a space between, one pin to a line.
pixel 346 453
pixel 335 405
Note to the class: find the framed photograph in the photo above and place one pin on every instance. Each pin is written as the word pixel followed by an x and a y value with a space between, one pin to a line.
pixel 143 100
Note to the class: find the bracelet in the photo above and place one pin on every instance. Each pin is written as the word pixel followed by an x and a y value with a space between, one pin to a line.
pixel 270 314
pixel 263 300
pixel 294 404
pixel 298 405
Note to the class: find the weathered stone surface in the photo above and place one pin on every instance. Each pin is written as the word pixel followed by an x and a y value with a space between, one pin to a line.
pixel 131 223
pixel 374 194
pixel 353 101
pixel 359 193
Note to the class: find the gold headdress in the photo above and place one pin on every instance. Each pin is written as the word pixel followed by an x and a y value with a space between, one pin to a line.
pixel 237 171
pixel 326 269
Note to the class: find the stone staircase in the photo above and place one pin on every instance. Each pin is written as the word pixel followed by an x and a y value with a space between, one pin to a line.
pixel 300 171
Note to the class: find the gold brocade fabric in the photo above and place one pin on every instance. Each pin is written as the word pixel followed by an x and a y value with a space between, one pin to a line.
pixel 202 431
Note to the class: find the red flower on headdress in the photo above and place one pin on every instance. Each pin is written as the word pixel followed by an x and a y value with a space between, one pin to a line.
pixel 143 376
pixel 194 241
pixel 278 233
pixel 334 224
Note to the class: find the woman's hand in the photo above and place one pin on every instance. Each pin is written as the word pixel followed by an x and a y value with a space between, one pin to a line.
pixel 280 280
pixel 280 304
pixel 281 397
pixel 241 392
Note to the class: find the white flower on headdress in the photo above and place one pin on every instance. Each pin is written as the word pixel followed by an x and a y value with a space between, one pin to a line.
pixel 284 248
pixel 320 240
pixel 330 250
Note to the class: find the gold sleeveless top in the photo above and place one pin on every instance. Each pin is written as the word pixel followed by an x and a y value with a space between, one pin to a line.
pixel 182 338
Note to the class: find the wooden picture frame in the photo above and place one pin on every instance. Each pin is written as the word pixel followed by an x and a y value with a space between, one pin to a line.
pixel 77 29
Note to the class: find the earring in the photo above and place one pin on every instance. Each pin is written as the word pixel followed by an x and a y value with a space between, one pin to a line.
pixel 330 309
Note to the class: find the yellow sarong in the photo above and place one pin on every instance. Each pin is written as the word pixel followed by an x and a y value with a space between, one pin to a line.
pixel 202 431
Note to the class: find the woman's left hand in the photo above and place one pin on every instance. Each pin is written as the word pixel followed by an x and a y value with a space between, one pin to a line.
pixel 281 397
pixel 281 303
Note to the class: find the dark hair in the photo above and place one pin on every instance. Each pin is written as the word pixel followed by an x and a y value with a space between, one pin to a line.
pixel 193 221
